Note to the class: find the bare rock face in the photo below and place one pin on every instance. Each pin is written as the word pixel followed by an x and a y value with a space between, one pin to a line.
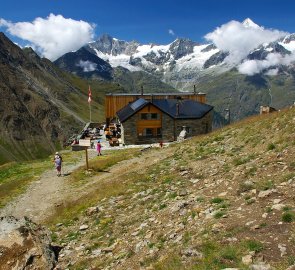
pixel 25 245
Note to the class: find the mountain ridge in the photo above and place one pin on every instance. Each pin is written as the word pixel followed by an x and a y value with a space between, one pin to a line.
pixel 40 105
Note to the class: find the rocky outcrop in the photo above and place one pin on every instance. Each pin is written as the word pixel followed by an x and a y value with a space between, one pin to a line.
pixel 182 47
pixel 262 52
pixel 215 59
pixel 25 245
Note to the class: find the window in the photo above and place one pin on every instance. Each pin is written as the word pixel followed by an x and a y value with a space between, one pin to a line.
pixel 148 132
pixel 151 133
pixel 149 116
pixel 154 116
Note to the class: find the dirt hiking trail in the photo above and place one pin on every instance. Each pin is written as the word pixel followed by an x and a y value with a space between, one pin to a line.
pixel 50 191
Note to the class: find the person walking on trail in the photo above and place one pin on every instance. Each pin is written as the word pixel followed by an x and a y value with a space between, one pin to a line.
pixel 58 163
pixel 98 148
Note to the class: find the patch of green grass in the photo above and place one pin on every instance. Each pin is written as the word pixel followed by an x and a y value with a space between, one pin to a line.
pixel 262 225
pixel 291 260
pixel 242 160
pixel 223 205
pixel 251 172
pixel 271 146
pixel 217 200
pixel 216 256
pixel 288 217
pixel 200 199
pixel 226 167
pixel 219 214
pixel 253 245
pixel 15 177
pixel 172 195
pixel 250 201
pixel 102 163
pixel 287 208
pixel 170 262
pixel 264 184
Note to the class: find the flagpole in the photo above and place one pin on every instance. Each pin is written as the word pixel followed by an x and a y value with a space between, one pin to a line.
pixel 89 101
pixel 89 111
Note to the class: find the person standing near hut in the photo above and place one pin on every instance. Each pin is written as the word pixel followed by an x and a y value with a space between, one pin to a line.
pixel 98 148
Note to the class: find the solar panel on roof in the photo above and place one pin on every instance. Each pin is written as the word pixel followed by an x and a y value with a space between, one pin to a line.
pixel 136 104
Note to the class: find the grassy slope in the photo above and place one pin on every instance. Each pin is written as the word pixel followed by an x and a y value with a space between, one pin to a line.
pixel 202 199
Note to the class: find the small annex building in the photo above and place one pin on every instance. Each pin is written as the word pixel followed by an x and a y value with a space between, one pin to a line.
pixel 151 121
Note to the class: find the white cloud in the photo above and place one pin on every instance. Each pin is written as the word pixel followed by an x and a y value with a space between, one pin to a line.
pixel 87 66
pixel 272 72
pixel 251 67
pixel 52 36
pixel 239 39
pixel 171 32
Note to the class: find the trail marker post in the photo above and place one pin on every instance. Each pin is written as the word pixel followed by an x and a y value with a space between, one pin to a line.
pixel 86 144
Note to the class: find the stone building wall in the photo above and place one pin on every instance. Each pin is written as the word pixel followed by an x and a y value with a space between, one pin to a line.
pixel 129 129
pixel 168 134
pixel 195 126
pixel 170 128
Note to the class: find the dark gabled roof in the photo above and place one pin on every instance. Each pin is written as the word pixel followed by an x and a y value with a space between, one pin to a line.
pixel 156 94
pixel 131 109
pixel 187 109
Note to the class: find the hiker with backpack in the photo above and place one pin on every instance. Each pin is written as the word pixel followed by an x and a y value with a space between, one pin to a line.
pixel 58 162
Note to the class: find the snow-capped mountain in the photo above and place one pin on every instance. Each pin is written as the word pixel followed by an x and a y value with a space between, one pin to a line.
pixel 241 67
pixel 184 62
pixel 162 60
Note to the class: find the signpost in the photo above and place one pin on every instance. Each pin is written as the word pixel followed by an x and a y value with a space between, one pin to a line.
pixel 86 144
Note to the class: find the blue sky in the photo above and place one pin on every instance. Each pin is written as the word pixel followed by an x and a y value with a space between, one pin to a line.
pixel 150 21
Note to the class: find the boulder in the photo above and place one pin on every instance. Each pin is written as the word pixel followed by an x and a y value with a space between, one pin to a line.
pixel 25 245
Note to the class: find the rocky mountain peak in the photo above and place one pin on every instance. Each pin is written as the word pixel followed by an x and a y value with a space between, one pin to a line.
pixel 112 46
pixel 249 23
pixel 8 50
pixel 289 38
pixel 181 47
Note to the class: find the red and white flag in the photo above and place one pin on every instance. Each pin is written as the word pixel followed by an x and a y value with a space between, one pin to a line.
pixel 89 94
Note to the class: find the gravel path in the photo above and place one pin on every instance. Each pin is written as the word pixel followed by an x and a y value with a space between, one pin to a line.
pixel 42 195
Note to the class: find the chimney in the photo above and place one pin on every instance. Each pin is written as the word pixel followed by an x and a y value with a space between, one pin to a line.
pixel 177 108
pixel 152 98
pixel 195 90
pixel 142 90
